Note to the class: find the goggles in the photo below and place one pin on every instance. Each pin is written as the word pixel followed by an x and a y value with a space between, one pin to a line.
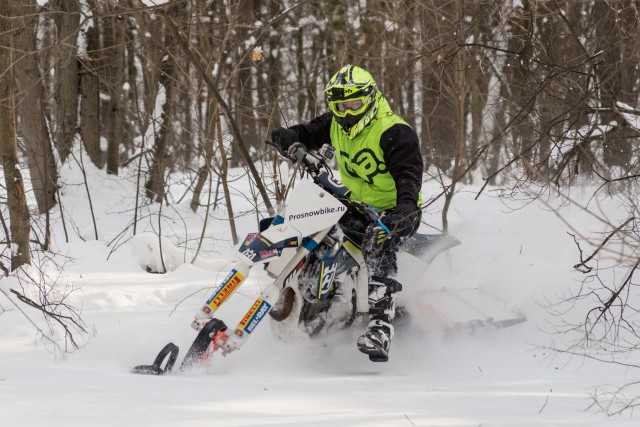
pixel 352 107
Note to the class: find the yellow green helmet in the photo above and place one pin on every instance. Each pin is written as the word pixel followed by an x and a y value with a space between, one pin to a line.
pixel 353 98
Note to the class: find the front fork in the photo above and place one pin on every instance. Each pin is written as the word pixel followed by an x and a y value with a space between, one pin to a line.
pixel 228 286
pixel 228 341
pixel 265 301
pixel 256 313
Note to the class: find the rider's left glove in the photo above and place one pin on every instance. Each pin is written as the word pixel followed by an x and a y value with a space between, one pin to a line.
pixel 401 219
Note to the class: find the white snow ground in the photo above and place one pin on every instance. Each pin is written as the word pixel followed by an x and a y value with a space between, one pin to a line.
pixel 491 378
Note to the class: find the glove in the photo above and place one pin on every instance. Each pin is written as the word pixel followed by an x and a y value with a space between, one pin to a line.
pixel 376 237
pixel 283 138
pixel 401 219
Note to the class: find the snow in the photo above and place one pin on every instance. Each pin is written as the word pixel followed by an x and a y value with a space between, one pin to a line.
pixel 520 253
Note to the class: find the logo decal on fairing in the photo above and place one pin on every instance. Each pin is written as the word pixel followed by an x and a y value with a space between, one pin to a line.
pixel 255 314
pixel 317 212
pixel 269 253
pixel 249 238
pixel 249 253
pixel 328 274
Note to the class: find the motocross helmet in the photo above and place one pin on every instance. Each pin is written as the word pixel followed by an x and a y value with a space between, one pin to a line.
pixel 353 98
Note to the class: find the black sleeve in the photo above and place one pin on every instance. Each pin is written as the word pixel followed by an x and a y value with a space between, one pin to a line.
pixel 401 149
pixel 315 133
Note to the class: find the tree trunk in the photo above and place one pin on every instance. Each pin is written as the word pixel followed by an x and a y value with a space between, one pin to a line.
pixel 90 101
pixel 30 108
pixel 223 175
pixel 459 87
pixel 67 21
pixel 168 78
pixel 16 200
pixel 617 149
pixel 155 184
pixel 207 152
pixel 338 35
pixel 243 15
pixel 114 45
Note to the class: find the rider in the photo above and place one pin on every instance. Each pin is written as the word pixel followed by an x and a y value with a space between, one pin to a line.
pixel 380 162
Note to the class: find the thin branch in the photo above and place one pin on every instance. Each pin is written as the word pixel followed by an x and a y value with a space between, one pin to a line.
pixel 55 316
pixel 582 265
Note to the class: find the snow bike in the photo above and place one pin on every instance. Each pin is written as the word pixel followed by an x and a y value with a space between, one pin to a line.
pixel 320 276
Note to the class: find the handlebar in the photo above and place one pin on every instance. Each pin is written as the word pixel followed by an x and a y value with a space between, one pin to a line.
pixel 315 163
pixel 290 154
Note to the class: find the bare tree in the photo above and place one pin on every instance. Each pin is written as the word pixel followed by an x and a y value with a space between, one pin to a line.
pixel 30 97
pixel 18 241
pixel 90 98
pixel 113 36
pixel 67 19
pixel 235 131
pixel 165 133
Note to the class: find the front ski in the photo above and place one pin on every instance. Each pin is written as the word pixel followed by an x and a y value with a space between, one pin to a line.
pixel 196 353
pixel 206 337
pixel 170 350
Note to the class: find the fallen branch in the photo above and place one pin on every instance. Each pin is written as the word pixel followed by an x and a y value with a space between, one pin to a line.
pixel 55 316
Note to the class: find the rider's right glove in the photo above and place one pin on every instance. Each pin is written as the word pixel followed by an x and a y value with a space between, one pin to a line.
pixel 283 138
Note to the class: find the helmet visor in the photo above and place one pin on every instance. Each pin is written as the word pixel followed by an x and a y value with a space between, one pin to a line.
pixel 352 107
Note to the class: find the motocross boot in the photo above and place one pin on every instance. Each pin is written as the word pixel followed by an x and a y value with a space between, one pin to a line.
pixel 382 303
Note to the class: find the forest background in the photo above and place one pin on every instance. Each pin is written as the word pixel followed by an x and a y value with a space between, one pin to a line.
pixel 532 97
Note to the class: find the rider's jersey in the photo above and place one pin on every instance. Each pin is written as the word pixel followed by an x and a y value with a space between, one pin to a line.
pixel 382 165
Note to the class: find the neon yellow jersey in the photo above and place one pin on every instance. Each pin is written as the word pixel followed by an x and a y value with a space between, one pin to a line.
pixel 361 160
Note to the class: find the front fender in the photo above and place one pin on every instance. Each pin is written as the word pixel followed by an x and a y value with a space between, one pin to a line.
pixel 260 247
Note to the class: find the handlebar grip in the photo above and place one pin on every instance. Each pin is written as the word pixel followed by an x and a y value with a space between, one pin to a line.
pixel 297 151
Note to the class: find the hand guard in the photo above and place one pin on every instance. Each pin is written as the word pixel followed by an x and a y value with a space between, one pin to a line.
pixel 283 138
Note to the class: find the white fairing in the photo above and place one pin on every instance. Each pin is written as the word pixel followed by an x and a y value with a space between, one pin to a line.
pixel 311 209
pixel 278 233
